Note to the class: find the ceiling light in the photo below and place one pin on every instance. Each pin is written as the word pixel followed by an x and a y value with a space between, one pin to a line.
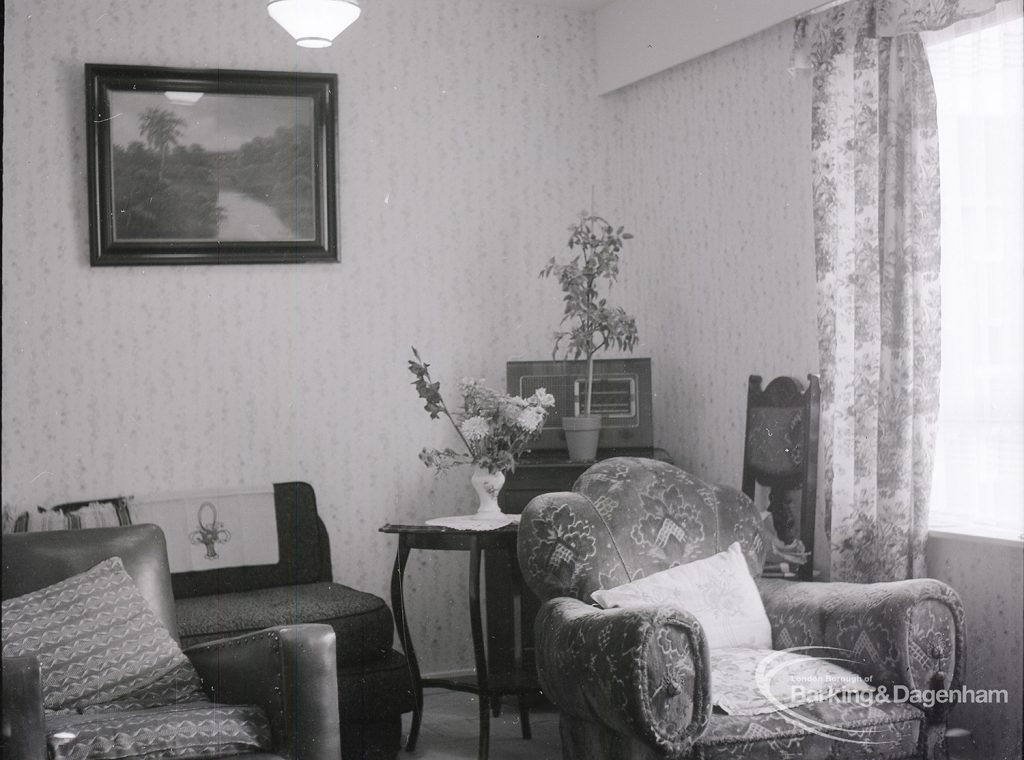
pixel 313 23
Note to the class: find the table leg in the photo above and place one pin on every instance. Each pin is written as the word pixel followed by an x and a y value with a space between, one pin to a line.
pixel 479 652
pixel 524 718
pixel 402 624
pixel 516 587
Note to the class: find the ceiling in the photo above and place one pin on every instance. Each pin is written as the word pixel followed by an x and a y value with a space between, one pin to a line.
pixel 579 5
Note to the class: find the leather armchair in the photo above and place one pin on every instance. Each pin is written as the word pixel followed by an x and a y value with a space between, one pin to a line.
pixel 23 734
pixel 289 671
pixel 635 683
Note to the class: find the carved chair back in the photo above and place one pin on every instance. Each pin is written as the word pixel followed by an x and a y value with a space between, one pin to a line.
pixel 781 453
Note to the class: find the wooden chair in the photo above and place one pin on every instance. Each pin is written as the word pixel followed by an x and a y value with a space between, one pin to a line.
pixel 780 452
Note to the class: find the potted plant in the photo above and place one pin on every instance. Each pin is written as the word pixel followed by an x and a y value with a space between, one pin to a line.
pixel 592 324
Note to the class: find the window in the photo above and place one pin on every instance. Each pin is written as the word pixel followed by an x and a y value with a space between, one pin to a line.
pixel 978 70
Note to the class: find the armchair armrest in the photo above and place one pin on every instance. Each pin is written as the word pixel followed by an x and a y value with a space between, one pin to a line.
pixel 24 735
pixel 904 633
pixel 290 671
pixel 641 672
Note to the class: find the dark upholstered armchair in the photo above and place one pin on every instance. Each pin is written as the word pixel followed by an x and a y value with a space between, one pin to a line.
pixel 275 690
pixel 635 682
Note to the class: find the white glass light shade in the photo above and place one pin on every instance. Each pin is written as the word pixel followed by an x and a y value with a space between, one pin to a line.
pixel 183 98
pixel 313 23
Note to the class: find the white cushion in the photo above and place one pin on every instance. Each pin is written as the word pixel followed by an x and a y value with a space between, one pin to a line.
pixel 718 591
pixel 758 681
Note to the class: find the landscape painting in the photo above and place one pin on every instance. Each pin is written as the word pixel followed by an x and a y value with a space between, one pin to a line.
pixel 233 167
pixel 209 168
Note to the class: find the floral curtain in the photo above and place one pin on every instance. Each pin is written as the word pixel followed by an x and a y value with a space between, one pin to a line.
pixel 875 164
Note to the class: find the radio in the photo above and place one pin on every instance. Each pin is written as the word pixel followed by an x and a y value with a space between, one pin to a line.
pixel 622 396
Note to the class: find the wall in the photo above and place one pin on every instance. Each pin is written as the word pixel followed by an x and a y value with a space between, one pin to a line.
pixel 469 138
pixel 466 145
pixel 710 167
pixel 988 574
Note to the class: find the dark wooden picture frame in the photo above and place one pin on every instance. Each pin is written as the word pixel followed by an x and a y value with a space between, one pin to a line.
pixel 210 166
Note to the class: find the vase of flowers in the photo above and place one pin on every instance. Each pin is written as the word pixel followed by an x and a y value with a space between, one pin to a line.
pixel 592 324
pixel 494 429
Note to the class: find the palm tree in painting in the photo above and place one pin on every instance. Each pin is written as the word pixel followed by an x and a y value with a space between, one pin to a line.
pixel 161 129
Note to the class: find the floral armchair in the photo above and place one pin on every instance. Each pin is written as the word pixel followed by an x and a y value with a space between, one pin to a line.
pixel 635 683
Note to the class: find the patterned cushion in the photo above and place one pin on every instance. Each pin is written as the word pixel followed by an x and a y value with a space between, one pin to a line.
pixel 819 731
pixel 758 681
pixel 718 591
pixel 97 641
pixel 847 731
pixel 200 729
pixel 361 621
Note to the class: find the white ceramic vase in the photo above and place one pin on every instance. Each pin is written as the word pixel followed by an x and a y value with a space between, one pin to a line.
pixel 487 485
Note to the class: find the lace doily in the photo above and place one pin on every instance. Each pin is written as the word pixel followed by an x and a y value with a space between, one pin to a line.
pixel 475 522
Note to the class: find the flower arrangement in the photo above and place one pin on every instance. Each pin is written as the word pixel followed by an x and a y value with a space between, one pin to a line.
pixel 494 427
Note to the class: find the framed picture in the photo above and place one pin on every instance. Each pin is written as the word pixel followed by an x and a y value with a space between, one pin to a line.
pixel 191 166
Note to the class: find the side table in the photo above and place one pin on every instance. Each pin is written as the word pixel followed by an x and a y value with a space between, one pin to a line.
pixel 489 686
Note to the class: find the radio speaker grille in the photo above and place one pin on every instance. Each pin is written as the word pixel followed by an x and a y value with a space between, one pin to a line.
pixel 622 396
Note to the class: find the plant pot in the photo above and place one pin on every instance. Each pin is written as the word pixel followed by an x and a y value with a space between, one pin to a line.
pixel 581 434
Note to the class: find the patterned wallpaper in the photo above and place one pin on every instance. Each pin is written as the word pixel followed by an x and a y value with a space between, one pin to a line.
pixel 711 170
pixel 469 138
pixel 988 576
